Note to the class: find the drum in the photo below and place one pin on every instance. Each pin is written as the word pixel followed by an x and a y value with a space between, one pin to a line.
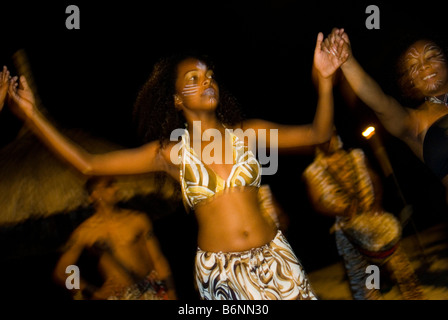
pixel 375 234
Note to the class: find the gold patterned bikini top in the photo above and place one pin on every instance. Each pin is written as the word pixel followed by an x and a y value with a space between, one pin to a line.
pixel 199 182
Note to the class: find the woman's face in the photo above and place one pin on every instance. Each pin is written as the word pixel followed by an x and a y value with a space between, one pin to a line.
pixel 426 68
pixel 195 86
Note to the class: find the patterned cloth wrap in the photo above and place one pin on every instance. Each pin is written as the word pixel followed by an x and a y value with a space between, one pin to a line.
pixel 270 272
pixel 150 288
pixel 374 234
pixel 342 179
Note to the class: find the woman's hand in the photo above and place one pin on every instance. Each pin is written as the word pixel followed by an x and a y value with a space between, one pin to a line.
pixel 4 82
pixel 326 61
pixel 22 98
pixel 337 44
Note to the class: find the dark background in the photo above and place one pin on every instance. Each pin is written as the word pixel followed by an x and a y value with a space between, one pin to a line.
pixel 89 79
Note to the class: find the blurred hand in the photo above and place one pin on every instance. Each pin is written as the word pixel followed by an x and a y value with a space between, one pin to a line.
pixel 325 61
pixel 338 45
pixel 21 97
pixel 4 82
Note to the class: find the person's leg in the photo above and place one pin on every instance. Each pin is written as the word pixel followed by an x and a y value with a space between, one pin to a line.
pixel 355 266
pixel 403 272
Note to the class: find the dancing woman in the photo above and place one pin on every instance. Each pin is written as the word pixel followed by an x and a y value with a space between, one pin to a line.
pixel 240 254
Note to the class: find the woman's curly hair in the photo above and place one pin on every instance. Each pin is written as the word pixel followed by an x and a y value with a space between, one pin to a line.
pixel 154 111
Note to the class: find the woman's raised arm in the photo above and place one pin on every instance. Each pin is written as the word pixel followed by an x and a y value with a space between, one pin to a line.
pixel 130 161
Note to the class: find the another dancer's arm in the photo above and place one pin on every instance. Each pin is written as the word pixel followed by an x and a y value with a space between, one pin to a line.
pixel 131 161
pixel 390 112
pixel 161 264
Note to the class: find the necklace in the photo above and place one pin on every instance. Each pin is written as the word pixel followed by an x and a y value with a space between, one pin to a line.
pixel 442 99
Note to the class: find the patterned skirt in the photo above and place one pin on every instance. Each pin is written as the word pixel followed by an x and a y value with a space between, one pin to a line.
pixel 270 272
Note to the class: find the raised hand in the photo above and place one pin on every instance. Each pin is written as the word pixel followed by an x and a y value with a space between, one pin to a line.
pixel 4 81
pixel 21 96
pixel 338 45
pixel 325 61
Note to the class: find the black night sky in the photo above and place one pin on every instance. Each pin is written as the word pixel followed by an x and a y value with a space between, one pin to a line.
pixel 89 79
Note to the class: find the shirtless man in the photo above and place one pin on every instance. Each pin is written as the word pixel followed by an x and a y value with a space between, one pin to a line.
pixel 131 262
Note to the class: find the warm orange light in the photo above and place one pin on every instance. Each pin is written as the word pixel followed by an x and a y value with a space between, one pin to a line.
pixel 369 132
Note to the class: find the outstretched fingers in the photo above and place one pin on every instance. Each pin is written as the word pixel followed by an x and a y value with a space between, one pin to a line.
pixel 12 89
pixel 338 47
pixel 24 83
pixel 21 97
pixel 320 38
pixel 337 31
pixel 344 36
pixel 4 78
pixel 18 83
pixel 4 75
pixel 324 46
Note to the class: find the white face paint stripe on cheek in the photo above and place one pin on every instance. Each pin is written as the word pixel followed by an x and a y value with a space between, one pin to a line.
pixel 190 89
pixel 186 94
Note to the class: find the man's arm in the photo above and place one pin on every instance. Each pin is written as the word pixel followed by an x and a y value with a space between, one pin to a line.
pixel 161 264
pixel 73 251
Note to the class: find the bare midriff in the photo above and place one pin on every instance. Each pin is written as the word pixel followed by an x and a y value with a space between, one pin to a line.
pixel 232 221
